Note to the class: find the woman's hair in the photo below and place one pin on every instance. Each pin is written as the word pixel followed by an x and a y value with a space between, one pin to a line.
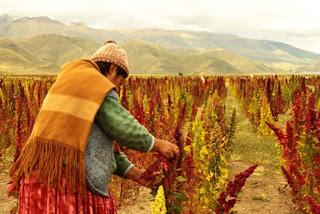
pixel 105 69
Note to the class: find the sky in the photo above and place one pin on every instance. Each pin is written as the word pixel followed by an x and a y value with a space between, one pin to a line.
pixel 296 22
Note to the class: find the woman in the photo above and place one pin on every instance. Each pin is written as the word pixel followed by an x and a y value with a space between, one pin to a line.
pixel 67 162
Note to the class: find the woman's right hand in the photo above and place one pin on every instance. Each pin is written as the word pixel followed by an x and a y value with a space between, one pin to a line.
pixel 166 148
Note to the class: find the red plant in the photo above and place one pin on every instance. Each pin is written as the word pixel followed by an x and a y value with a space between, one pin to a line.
pixel 155 169
pixel 227 199
pixel 300 151
pixel 315 206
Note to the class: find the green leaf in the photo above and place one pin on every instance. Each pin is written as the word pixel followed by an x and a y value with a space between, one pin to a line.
pixel 180 196
pixel 181 179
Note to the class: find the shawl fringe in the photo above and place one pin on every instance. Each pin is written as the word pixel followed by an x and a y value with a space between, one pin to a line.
pixel 46 159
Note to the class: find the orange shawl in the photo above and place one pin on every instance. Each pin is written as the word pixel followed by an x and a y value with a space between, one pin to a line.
pixel 60 134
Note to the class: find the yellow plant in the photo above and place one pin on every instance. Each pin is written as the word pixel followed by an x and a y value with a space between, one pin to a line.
pixel 158 206
pixel 208 142
pixel 254 107
pixel 265 116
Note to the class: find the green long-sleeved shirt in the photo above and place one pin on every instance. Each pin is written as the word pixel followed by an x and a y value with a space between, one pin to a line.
pixel 113 122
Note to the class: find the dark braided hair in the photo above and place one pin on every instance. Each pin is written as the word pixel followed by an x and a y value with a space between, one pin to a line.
pixel 105 69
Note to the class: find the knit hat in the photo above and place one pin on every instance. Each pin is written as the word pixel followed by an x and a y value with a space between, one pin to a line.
pixel 112 53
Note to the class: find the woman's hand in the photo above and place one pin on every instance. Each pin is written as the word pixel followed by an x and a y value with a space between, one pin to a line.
pixel 135 174
pixel 12 188
pixel 166 148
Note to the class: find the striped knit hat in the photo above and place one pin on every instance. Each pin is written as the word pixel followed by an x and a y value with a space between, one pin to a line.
pixel 112 53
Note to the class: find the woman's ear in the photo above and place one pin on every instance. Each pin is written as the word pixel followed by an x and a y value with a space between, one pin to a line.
pixel 111 74
pixel 113 69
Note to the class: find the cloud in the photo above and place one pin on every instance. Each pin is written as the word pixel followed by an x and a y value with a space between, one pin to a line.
pixel 304 35
pixel 284 20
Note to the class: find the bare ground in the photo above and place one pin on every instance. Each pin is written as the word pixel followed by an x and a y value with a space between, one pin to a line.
pixel 6 203
pixel 139 204
pixel 264 192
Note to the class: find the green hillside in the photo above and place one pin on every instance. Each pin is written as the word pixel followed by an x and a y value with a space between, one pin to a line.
pixel 42 54
pixel 313 68
pixel 261 50
pixel 54 49
pixel 15 57
pixel 46 53
pixel 243 64
pixel 148 57
pixel 272 53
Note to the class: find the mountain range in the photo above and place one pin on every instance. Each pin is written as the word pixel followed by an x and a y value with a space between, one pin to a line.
pixel 41 45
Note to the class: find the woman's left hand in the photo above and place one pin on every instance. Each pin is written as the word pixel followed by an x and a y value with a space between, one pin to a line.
pixel 135 174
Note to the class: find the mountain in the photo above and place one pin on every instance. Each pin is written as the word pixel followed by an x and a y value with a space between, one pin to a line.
pixel 243 64
pixel 56 49
pixel 41 54
pixel 5 19
pixel 15 58
pixel 151 58
pixel 312 68
pixel 27 27
pixel 261 50
pixel 274 54
pixel 46 53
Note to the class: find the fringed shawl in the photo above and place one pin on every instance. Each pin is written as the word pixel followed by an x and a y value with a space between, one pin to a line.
pixel 60 134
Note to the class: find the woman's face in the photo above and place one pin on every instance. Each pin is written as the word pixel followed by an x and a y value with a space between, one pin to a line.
pixel 117 80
